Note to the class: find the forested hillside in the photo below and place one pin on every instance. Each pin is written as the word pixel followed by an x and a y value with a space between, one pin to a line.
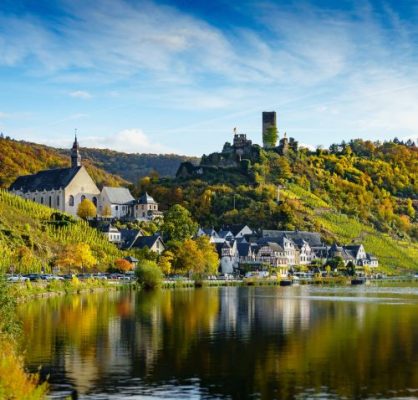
pixel 22 158
pixel 134 166
pixel 106 167
pixel 33 236
pixel 358 191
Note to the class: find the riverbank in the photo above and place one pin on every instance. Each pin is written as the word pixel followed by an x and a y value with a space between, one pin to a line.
pixel 28 290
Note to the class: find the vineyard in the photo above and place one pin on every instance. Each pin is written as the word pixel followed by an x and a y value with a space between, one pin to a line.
pixel 33 236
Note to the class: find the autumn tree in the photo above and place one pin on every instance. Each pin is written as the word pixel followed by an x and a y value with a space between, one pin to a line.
pixel 76 255
pixel 86 209
pixel 178 224
pixel 123 265
pixel 107 211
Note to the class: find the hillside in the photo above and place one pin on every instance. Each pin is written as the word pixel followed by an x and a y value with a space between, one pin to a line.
pixel 32 236
pixel 22 158
pixel 132 167
pixel 360 191
pixel 106 167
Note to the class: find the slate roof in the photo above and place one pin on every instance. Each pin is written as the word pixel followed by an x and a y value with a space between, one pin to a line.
pixel 128 236
pixel 108 228
pixel 312 238
pixel 244 249
pixel 118 195
pixel 51 179
pixel 145 241
pixel 146 199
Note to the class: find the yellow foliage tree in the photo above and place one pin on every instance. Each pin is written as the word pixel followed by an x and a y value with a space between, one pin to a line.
pixel 76 255
pixel 86 209
pixel 107 211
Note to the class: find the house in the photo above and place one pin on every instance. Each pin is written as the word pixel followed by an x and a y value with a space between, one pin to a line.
pixel 240 231
pixel 226 235
pixel 154 243
pixel 128 237
pixel 112 233
pixel 134 261
pixel 229 256
pixel 146 209
pixel 61 188
pixel 115 202
pixel 209 232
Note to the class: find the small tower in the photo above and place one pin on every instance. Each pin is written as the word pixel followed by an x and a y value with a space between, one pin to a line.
pixel 75 154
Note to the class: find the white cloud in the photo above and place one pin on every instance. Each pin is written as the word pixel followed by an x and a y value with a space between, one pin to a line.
pixel 81 94
pixel 128 140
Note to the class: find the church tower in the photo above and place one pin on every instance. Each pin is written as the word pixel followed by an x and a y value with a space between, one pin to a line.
pixel 75 154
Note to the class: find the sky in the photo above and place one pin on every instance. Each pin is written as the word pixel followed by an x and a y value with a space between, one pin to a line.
pixel 177 76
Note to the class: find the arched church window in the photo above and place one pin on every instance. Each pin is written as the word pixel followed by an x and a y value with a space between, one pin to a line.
pixel 83 197
pixel 50 201
pixel 42 200
pixel 58 201
pixel 95 201
pixel 71 201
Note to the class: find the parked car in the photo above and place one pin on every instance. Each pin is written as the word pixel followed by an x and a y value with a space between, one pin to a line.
pixel 17 278
pixel 33 277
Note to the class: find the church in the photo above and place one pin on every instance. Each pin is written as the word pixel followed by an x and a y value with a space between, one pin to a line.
pixel 61 188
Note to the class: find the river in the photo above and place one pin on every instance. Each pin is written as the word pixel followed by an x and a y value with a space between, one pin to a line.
pixel 227 343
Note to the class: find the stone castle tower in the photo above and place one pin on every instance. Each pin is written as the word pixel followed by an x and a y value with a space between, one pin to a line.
pixel 75 154
pixel 269 121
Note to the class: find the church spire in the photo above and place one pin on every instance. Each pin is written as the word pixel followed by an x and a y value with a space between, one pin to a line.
pixel 75 153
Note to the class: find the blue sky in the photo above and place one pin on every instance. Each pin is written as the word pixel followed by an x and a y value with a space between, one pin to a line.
pixel 178 76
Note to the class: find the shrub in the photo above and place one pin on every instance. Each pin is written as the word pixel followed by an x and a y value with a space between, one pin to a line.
pixel 149 275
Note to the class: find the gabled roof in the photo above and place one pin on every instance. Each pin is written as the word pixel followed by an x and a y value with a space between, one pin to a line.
pixel 146 199
pixel 118 195
pixel 312 238
pixel 146 241
pixel 131 259
pixel 224 234
pixel 273 245
pixel 108 228
pixel 51 179
pixel 128 236
pixel 236 228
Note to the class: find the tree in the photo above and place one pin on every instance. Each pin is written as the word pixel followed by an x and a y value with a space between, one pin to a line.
pixel 86 209
pixel 76 255
pixel 149 275
pixel 107 211
pixel 178 224
pixel 123 265
pixel 165 262
pixel 209 254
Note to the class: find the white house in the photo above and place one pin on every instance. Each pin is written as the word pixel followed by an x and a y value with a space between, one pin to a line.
pixel 61 188
pixel 146 208
pixel 116 200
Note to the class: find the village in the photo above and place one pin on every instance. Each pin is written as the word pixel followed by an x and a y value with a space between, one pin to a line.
pixel 242 250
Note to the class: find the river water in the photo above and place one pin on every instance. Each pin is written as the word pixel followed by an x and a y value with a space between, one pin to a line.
pixel 228 343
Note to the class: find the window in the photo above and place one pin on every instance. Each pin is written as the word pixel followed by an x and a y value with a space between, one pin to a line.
pixel 117 208
pixel 42 200
pixel 71 201
pixel 58 201
pixel 50 201
pixel 95 201
pixel 83 197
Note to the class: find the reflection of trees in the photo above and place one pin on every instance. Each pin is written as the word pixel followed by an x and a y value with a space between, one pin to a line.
pixel 235 340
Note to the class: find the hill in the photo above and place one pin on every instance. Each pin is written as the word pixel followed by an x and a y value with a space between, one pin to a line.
pixel 23 158
pixel 32 236
pixel 358 191
pixel 132 167
pixel 107 167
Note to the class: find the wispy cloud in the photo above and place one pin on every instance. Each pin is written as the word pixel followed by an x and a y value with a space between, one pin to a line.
pixel 81 94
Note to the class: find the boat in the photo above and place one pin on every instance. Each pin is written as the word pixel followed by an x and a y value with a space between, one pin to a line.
pixel 358 281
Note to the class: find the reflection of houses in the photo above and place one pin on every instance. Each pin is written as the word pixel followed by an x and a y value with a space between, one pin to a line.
pixel 61 188
pixel 115 202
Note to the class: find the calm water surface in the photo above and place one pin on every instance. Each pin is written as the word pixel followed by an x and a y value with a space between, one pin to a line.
pixel 228 343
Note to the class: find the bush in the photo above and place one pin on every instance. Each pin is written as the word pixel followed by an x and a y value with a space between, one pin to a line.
pixel 149 275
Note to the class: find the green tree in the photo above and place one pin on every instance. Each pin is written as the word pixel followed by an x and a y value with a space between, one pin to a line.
pixel 178 224
pixel 149 274
pixel 86 209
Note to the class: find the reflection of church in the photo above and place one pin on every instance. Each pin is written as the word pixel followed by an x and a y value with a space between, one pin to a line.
pixel 61 188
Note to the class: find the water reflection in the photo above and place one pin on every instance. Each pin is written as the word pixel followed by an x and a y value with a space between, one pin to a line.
pixel 228 343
